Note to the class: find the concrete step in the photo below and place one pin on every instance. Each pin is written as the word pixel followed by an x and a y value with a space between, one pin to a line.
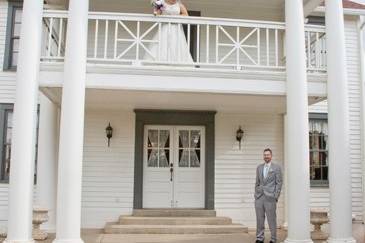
pixel 175 229
pixel 173 213
pixel 125 220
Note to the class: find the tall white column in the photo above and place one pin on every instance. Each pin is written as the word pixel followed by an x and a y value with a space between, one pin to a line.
pixel 47 160
pixel 338 126
pixel 72 125
pixel 286 201
pixel 25 112
pixel 361 26
pixel 297 125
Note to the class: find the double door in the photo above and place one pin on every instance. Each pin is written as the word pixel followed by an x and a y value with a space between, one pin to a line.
pixel 173 173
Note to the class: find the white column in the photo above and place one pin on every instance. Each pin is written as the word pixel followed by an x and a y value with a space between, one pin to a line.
pixel 297 125
pixel 338 126
pixel 47 160
pixel 72 125
pixel 25 112
pixel 286 201
pixel 361 26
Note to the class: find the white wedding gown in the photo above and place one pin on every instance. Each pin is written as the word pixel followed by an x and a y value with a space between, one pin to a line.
pixel 173 47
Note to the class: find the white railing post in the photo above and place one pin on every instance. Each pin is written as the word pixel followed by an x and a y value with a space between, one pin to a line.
pixel 257 49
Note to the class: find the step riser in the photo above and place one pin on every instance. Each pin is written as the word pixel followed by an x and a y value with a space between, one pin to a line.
pixel 174 213
pixel 175 221
pixel 176 231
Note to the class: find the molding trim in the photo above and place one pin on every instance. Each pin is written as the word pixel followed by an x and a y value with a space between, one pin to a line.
pixel 175 117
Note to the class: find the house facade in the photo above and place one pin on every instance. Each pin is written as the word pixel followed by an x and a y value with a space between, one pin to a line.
pixel 286 81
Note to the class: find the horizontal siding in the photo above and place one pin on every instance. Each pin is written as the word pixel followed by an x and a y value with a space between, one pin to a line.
pixel 7 78
pixel 7 88
pixel 354 79
pixel 320 197
pixel 236 169
pixel 108 172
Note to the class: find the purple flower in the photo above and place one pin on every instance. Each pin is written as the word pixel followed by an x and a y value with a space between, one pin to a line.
pixel 157 4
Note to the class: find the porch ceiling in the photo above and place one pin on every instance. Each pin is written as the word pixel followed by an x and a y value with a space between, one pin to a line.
pixel 261 8
pixel 99 99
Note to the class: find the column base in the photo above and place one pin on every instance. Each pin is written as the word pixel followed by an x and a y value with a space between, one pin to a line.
pixel 68 240
pixel 18 241
pixel 298 241
pixel 343 240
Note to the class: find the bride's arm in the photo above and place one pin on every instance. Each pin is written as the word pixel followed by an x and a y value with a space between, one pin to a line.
pixel 183 10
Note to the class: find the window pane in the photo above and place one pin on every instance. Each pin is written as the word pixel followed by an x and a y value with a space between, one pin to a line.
pixel 164 156
pixel 164 139
pixel 18 15
pixel 195 158
pixel 7 144
pixel 15 44
pixel 14 59
pixel 184 139
pixel 6 166
pixel 318 136
pixel 195 139
pixel 152 158
pixel 152 138
pixel 16 30
pixel 183 158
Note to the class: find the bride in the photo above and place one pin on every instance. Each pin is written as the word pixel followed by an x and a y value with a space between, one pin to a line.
pixel 173 47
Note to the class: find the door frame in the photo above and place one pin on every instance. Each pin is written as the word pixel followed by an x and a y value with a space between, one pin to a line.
pixel 175 118
pixel 174 158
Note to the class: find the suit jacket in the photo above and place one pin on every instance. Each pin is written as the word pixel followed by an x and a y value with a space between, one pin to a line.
pixel 271 185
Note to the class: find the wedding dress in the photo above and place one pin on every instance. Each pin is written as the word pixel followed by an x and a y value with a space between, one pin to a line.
pixel 173 47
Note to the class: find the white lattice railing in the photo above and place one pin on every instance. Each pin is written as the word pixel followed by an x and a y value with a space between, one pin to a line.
pixel 138 40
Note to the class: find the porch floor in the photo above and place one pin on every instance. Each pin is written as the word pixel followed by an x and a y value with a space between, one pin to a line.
pixel 95 237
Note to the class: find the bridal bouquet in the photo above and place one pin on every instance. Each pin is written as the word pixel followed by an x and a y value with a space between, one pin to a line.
pixel 157 6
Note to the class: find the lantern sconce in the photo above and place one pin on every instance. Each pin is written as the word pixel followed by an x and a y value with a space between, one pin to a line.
pixel 239 136
pixel 109 133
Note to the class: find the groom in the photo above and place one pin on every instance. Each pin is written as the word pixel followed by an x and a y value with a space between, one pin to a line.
pixel 267 192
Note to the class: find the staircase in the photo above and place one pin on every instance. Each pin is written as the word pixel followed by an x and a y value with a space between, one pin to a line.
pixel 174 221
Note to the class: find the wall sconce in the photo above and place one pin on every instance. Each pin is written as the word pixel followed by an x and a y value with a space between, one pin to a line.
pixel 239 136
pixel 109 133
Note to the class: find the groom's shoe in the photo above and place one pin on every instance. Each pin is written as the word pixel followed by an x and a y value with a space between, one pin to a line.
pixel 272 241
pixel 259 241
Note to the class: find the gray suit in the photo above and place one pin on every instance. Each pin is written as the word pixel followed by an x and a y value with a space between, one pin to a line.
pixel 267 192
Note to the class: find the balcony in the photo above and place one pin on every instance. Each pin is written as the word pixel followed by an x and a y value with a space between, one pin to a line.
pixel 217 45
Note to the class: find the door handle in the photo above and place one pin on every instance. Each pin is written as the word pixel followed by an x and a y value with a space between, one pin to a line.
pixel 171 171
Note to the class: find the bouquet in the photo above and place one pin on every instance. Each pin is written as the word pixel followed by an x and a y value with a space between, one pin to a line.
pixel 157 5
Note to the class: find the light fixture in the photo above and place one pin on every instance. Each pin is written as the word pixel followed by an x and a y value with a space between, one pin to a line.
pixel 109 133
pixel 239 136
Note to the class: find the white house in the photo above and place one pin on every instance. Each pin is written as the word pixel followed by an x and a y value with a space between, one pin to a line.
pixel 286 81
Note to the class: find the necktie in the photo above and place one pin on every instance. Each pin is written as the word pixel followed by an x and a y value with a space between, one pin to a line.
pixel 266 170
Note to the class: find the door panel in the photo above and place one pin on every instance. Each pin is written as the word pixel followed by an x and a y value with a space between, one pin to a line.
pixel 157 186
pixel 173 167
pixel 189 172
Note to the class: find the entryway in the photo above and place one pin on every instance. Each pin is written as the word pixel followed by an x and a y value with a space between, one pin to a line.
pixel 174 167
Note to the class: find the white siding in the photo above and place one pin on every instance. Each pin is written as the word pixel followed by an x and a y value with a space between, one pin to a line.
pixel 236 169
pixel 353 67
pixel 320 197
pixel 7 78
pixel 7 92
pixel 108 172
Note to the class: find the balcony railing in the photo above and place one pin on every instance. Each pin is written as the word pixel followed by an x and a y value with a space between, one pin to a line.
pixel 224 44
